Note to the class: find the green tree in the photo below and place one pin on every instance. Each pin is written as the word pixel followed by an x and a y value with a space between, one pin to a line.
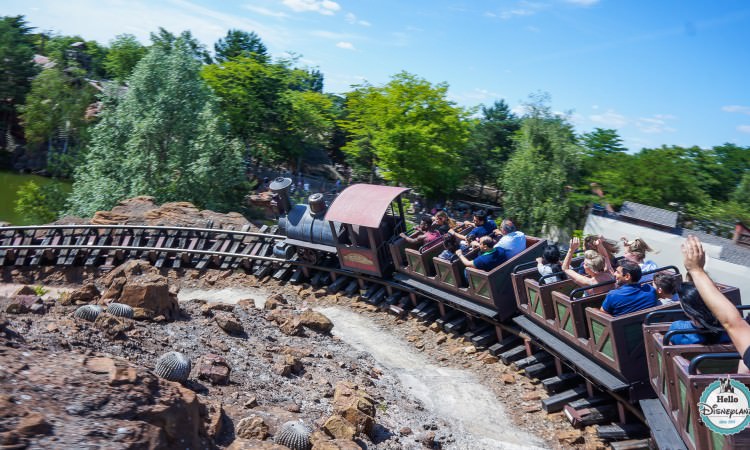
pixel 240 43
pixel 491 142
pixel 276 123
pixel 54 116
pixel 16 71
pixel 167 41
pixel 601 142
pixel 39 205
pixel 537 178
pixel 162 137
pixel 124 53
pixel 414 133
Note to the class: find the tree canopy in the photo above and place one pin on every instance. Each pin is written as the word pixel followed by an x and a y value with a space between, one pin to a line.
pixel 16 71
pixel 163 137
pixel 409 131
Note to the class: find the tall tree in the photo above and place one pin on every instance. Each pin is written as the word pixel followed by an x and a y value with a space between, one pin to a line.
pixel 240 43
pixel 276 120
pixel 491 142
pixel 163 137
pixel 124 53
pixel 54 117
pixel 537 177
pixel 414 132
pixel 167 40
pixel 16 71
pixel 601 142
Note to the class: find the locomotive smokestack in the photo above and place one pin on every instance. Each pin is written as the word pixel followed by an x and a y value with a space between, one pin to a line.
pixel 280 187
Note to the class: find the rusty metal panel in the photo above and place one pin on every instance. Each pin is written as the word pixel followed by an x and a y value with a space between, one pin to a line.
pixel 363 204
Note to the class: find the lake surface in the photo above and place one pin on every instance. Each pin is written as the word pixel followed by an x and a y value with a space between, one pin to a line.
pixel 10 182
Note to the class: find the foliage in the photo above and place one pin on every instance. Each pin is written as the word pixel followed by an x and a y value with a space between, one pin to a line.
pixel 536 180
pixel 55 111
pixel 124 53
pixel 40 290
pixel 162 137
pixel 75 52
pixel 491 142
pixel 168 41
pixel 276 123
pixel 39 204
pixel 409 131
pixel 240 43
pixel 16 71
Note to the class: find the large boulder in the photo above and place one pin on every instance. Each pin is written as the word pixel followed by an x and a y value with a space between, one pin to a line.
pixel 138 284
pixel 315 321
pixel 355 405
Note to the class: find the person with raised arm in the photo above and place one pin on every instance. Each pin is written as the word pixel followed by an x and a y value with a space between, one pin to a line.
pixel 594 266
pixel 726 313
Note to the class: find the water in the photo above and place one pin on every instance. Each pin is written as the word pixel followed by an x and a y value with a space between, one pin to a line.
pixel 10 183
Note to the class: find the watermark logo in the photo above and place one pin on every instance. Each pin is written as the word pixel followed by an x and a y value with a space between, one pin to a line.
pixel 725 406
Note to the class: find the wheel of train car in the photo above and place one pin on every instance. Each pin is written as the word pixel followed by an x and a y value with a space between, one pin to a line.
pixel 309 255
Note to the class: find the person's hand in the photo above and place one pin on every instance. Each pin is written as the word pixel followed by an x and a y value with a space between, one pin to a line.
pixel 539 260
pixel 459 252
pixel 692 252
pixel 574 244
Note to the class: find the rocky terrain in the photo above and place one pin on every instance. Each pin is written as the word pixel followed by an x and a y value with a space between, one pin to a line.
pixel 257 363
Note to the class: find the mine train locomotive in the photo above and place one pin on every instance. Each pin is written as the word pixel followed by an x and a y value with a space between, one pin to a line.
pixel 628 357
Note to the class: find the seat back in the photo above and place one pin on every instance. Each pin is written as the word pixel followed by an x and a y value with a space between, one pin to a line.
pixel 570 316
pixel 617 342
pixel 520 273
pixel 540 307
pixel 493 288
pixel 691 380
pixel 419 261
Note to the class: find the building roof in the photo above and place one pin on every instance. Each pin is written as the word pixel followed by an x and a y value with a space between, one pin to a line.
pixel 363 204
pixel 645 213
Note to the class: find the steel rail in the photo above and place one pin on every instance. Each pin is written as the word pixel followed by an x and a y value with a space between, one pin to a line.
pixel 25 228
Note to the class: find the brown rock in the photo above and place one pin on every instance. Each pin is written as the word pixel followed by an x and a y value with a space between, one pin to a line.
pixel 405 431
pixel 470 350
pixel 287 366
pixel 215 419
pixel 8 408
pixel 214 369
pixel 440 339
pixel 291 328
pixel 33 424
pixel 10 439
pixel 337 444
pixel 355 405
pixel 274 302
pixel 228 322
pixel 87 293
pixel 569 437
pixel 209 308
pixel 339 428
pixel 113 326
pixel 255 444
pixel 315 321
pixel 24 290
pixel 21 304
pixel 531 396
pixel 428 439
pixel 489 359
pixel 252 427
pixel 508 378
pixel 532 408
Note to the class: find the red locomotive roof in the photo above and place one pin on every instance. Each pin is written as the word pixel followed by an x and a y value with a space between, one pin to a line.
pixel 363 204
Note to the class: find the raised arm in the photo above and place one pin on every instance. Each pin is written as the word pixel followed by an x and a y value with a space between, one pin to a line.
pixel 720 306
pixel 605 254
pixel 581 280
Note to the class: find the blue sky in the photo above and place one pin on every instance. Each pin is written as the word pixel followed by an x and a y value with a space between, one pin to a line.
pixel 661 72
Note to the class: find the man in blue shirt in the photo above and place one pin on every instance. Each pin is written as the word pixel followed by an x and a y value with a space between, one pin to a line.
pixel 489 257
pixel 482 227
pixel 511 240
pixel 629 296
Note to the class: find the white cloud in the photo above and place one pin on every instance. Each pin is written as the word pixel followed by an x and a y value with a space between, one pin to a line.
pixel 583 2
pixel 736 109
pixel 345 45
pixel 609 118
pixel 325 7
pixel 744 129
pixel 351 18
pixel 331 35
pixel 511 13
pixel 264 11
pixel 655 125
